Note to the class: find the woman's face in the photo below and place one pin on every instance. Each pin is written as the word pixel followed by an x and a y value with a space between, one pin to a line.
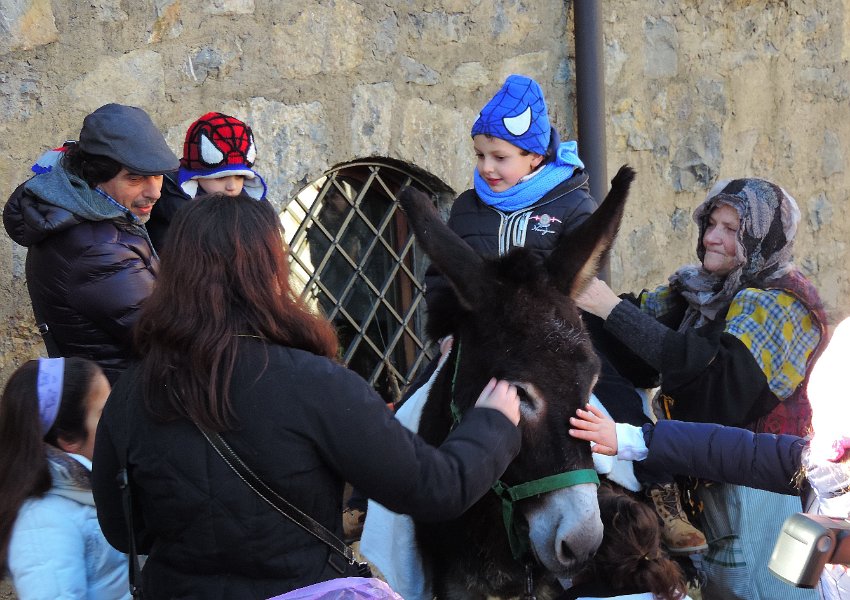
pixel 95 401
pixel 721 240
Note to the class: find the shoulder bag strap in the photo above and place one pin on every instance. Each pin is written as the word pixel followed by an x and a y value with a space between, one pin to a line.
pixel 279 503
pixel 123 479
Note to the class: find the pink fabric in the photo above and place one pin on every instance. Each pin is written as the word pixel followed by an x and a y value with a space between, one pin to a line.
pixel 839 447
pixel 348 588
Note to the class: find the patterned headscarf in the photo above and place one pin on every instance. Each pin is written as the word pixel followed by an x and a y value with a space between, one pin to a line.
pixel 768 223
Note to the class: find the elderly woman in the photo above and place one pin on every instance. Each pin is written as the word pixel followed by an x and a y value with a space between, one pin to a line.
pixel 733 340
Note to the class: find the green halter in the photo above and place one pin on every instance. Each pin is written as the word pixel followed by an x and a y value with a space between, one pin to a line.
pixel 511 494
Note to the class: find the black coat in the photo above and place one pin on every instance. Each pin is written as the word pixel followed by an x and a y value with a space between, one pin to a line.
pixel 86 279
pixel 172 198
pixel 306 425
pixel 491 232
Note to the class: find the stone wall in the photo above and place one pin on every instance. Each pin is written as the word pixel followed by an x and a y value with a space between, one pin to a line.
pixel 695 91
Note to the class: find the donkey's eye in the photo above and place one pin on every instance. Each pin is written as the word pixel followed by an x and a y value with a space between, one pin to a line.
pixel 530 402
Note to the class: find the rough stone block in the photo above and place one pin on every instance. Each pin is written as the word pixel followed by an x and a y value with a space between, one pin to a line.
pixel 107 11
pixel 661 50
pixel 471 76
pixel 430 138
pixel 135 78
pixel 321 41
pixel 832 154
pixel 295 137
pixel 228 7
pixel 168 23
pixel 416 72
pixel 26 24
pixel 371 119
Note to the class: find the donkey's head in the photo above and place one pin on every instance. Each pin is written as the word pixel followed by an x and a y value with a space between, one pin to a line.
pixel 514 318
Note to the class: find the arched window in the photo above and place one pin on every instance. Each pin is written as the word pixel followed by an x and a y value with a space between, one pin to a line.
pixel 354 258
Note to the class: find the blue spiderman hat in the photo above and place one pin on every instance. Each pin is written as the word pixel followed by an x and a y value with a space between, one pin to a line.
pixel 517 114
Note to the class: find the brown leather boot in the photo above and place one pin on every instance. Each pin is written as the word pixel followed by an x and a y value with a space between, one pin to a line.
pixel 677 533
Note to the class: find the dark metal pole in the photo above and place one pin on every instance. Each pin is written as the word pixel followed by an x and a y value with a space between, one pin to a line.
pixel 590 98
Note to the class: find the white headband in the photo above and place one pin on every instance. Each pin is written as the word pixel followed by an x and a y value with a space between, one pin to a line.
pixel 51 374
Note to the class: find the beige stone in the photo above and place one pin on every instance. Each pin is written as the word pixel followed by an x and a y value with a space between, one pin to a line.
pixel 471 76
pixel 26 24
pixel 437 139
pixel 168 23
pixel 136 78
pixel 293 142
pixel 228 7
pixel 320 41
pixel 108 11
pixel 371 119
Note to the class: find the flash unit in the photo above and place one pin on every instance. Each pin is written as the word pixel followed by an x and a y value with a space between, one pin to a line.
pixel 806 544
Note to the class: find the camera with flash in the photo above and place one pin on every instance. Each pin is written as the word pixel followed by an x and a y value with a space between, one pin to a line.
pixel 806 544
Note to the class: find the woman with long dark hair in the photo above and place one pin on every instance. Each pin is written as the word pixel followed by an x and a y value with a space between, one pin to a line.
pixel 227 345
pixel 49 536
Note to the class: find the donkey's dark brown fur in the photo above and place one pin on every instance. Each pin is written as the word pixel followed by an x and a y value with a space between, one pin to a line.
pixel 514 318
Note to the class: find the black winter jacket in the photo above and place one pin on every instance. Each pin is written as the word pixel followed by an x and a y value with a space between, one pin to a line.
pixel 172 199
pixel 86 279
pixel 306 426
pixel 491 232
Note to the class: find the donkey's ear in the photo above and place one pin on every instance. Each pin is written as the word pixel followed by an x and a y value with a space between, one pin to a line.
pixel 455 259
pixel 577 257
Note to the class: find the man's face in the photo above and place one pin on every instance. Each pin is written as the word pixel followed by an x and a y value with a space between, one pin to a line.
pixel 136 193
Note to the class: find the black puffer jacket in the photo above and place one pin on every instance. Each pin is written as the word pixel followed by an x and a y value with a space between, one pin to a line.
pixel 492 232
pixel 170 201
pixel 306 425
pixel 538 227
pixel 86 278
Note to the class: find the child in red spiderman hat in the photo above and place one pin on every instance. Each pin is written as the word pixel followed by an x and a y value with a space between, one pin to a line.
pixel 218 154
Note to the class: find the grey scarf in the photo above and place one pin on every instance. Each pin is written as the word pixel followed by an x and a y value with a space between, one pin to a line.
pixel 70 478
pixel 59 187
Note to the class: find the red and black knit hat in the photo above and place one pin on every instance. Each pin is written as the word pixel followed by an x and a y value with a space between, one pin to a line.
pixel 218 145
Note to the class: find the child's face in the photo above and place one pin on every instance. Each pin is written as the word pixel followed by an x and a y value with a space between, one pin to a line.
pixel 502 164
pixel 230 185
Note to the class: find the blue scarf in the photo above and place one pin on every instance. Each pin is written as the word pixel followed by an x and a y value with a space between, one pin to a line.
pixel 526 193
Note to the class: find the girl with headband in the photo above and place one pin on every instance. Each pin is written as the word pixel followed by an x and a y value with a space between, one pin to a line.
pixel 49 535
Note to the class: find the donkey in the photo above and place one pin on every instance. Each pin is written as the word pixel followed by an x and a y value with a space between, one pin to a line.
pixel 514 318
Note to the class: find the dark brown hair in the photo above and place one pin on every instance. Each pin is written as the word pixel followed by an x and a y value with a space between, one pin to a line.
pixel 224 275
pixel 23 462
pixel 91 168
pixel 630 557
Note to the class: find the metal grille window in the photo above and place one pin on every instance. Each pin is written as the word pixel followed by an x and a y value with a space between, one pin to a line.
pixel 355 259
